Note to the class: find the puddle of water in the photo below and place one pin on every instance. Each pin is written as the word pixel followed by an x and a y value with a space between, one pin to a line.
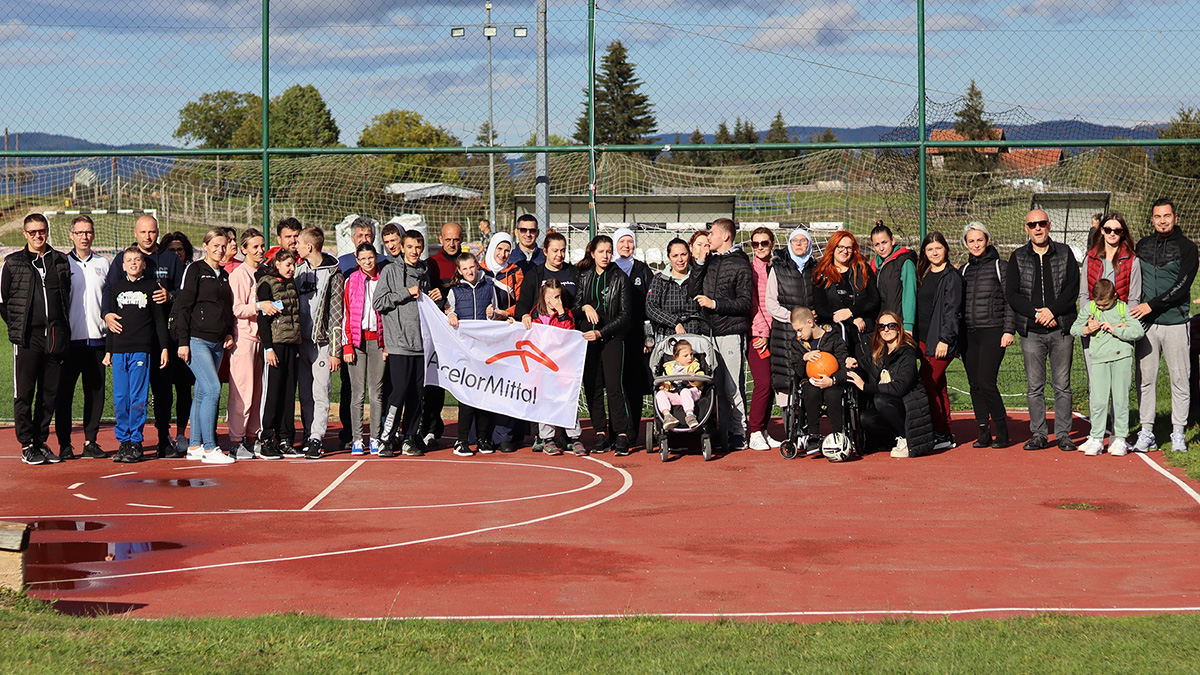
pixel 173 482
pixel 66 525
pixel 52 561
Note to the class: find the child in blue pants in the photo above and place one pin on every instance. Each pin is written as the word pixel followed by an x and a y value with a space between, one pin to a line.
pixel 128 352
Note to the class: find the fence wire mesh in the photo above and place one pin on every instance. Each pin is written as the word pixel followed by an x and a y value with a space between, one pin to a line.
pixel 132 108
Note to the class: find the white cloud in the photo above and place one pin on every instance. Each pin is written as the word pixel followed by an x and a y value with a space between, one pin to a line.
pixel 824 26
pixel 298 52
pixel 14 30
pixel 1074 11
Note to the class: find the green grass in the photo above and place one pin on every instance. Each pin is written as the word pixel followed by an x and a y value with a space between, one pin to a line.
pixel 39 640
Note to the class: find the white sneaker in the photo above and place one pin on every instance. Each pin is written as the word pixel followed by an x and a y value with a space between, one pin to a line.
pixel 1145 442
pixel 901 449
pixel 195 452
pixel 216 457
pixel 1092 447
pixel 772 442
pixel 758 442
pixel 1118 448
pixel 1178 442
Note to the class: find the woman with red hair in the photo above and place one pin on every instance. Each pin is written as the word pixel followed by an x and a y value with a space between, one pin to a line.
pixel 844 290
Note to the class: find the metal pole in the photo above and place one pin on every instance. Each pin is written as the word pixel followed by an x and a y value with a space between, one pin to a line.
pixel 491 129
pixel 266 121
pixel 591 41
pixel 541 189
pixel 921 183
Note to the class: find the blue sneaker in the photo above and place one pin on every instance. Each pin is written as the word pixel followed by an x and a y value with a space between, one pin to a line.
pixel 374 446
pixel 357 448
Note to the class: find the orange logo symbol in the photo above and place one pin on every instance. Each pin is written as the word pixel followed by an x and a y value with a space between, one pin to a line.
pixel 532 353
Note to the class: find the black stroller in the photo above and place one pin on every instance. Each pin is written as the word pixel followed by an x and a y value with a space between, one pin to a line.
pixel 706 407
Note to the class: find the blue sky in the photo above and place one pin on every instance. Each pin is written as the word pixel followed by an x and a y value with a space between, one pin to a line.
pixel 118 72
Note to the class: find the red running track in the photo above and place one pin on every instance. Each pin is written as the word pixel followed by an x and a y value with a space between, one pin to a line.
pixel 966 532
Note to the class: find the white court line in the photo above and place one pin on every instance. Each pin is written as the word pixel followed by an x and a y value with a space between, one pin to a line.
pixel 116 475
pixel 189 468
pixel 150 506
pixel 595 480
pixel 1153 464
pixel 332 486
pixel 784 615
pixel 74 486
pixel 90 499
pixel 627 483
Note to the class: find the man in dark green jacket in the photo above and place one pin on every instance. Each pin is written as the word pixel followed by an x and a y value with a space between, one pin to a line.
pixel 1168 261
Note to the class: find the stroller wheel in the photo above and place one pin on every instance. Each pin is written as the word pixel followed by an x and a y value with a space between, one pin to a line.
pixel 706 445
pixel 664 448
pixel 788 449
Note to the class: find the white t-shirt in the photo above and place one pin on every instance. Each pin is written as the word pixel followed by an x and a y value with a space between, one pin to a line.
pixel 87 291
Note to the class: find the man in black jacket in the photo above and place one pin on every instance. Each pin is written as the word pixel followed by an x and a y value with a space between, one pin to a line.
pixel 723 287
pixel 1042 286
pixel 35 297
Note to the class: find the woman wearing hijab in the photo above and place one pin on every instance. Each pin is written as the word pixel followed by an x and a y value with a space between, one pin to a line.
pixel 638 341
pixel 788 286
pixel 507 277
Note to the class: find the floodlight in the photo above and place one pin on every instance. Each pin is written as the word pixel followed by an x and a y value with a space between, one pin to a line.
pixel 458 32
pixel 520 31
pixel 489 31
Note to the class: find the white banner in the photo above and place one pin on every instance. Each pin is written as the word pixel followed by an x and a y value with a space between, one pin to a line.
pixel 531 374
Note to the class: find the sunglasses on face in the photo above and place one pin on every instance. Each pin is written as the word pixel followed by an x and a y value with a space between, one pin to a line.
pixel 1038 223
pixel 1112 230
pixel 888 326
pixel 760 244
pixel 36 233
pixel 527 230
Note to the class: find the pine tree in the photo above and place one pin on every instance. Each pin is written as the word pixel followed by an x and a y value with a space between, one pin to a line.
pixel 722 157
pixel 743 132
pixel 971 125
pixel 826 136
pixel 623 114
pixel 777 133
pixel 1180 160
pixel 698 158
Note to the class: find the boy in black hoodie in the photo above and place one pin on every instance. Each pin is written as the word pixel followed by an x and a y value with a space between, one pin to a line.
pixel 811 341
pixel 128 352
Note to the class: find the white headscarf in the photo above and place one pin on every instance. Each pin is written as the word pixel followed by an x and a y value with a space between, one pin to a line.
pixel 489 260
pixel 626 264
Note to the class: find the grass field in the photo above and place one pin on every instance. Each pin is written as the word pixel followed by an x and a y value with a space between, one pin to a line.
pixel 39 640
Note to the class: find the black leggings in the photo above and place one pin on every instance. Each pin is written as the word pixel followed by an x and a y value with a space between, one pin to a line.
pixel 278 408
pixel 407 374
pixel 482 419
pixel 982 359
pixel 814 397
pixel 602 371
pixel 891 411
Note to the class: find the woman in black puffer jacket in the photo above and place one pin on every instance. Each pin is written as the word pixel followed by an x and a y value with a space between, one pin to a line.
pixel 990 323
pixel 602 310
pixel 899 404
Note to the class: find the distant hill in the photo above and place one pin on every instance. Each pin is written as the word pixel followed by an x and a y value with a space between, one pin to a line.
pixel 53 174
pixel 1064 130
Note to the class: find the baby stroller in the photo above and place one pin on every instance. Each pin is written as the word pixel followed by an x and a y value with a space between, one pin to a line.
pixel 795 422
pixel 706 407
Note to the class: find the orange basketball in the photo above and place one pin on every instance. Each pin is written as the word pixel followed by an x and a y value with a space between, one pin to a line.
pixel 825 365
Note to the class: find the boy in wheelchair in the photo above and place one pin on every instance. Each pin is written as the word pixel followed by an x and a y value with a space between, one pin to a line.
pixel 812 342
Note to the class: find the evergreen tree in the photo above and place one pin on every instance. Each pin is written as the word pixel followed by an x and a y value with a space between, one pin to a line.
pixel 698 158
pixel 972 125
pixel 826 136
pixel 743 132
pixel 1180 160
pixel 777 133
pixel 623 114
pixel 722 157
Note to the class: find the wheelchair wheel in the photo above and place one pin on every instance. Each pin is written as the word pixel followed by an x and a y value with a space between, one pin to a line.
pixel 788 449
pixel 706 445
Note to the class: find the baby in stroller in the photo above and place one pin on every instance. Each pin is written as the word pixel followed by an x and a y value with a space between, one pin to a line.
pixel 681 393
pixel 813 341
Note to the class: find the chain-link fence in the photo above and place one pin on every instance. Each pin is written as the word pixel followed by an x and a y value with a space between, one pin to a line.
pixel 661 115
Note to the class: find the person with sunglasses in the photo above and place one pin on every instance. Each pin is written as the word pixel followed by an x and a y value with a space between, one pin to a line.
pixel 35 302
pixel 762 246
pixel 1168 261
pixel 1043 289
pixel 527 252
pixel 1110 257
pixel 897 405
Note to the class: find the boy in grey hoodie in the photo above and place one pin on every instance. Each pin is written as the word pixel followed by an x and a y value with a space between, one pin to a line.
pixel 319 285
pixel 400 285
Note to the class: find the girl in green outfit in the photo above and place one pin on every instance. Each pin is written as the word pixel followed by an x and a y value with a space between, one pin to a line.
pixel 1113 333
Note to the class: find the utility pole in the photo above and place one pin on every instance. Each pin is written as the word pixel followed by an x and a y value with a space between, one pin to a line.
pixel 541 189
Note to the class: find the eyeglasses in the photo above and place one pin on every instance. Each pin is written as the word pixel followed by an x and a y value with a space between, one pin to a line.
pixel 1113 230
pixel 84 232
pixel 887 326
pixel 527 230
pixel 1038 223
pixel 760 244
pixel 37 233
pixel 847 249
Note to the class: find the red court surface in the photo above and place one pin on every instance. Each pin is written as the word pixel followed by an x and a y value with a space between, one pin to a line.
pixel 963 533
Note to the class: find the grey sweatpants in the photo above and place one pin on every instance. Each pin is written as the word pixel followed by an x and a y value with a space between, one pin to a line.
pixel 546 432
pixel 366 378
pixel 731 355
pixel 1058 349
pixel 313 381
pixel 1173 344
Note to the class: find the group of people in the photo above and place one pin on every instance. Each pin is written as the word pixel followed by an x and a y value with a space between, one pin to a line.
pixel 276 323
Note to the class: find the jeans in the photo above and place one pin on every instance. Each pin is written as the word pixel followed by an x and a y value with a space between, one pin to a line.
pixel 205 359
pixel 1058 349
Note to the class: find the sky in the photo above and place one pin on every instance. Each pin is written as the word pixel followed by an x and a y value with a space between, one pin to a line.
pixel 118 72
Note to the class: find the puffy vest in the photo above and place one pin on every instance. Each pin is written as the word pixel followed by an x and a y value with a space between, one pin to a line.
pixel 470 302
pixel 1059 254
pixel 795 290
pixel 285 326
pixel 891 293
pixel 1123 263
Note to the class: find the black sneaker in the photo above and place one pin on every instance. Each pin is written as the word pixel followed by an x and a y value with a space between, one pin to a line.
pixel 814 445
pixel 346 444
pixel 507 447
pixel 388 448
pixel 943 441
pixel 167 450
pixel 1067 445
pixel 600 445
pixel 66 452
pixel 49 454
pixel 313 449
pixel 124 454
pixel 269 450
pixel 461 449
pixel 412 447
pixel 31 455
pixel 290 451
pixel 621 447
pixel 92 450
pixel 485 447
pixel 737 442
pixel 1036 443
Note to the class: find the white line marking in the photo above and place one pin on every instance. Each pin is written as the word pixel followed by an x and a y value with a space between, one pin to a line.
pixel 333 485
pixel 190 468
pixel 116 475
pixel 150 506
pixel 90 499
pixel 74 486
pixel 594 482
pixel 768 615
pixel 627 483
pixel 1186 488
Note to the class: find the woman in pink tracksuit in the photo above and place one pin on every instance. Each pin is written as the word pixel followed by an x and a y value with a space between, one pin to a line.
pixel 245 359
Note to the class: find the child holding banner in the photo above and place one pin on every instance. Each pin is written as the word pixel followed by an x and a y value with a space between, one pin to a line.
pixel 472 297
pixel 549 310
